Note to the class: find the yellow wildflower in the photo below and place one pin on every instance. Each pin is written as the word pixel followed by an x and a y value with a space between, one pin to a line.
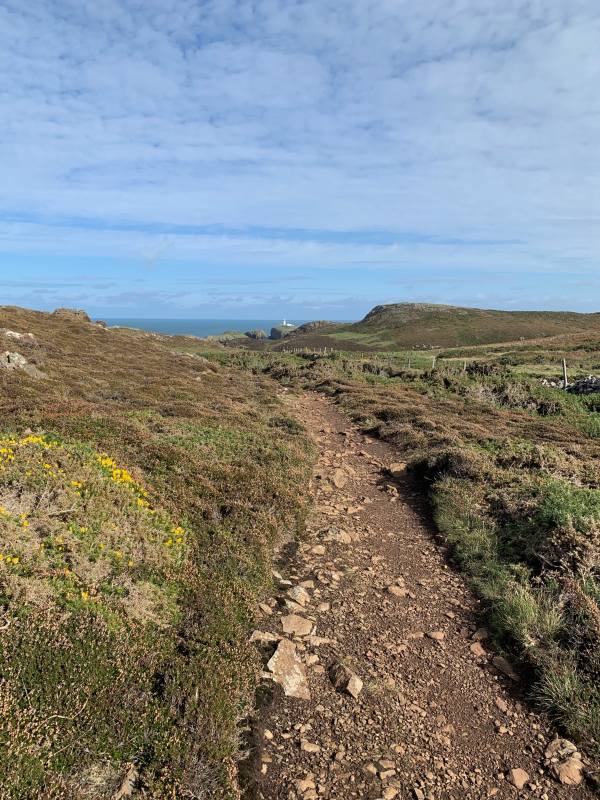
pixel 85 596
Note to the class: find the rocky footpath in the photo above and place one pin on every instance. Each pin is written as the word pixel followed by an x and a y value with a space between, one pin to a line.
pixel 379 681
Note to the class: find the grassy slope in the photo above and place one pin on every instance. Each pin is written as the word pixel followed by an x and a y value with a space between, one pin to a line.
pixel 141 494
pixel 408 326
pixel 512 471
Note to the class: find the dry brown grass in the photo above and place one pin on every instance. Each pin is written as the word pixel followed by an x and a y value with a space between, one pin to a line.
pixel 122 648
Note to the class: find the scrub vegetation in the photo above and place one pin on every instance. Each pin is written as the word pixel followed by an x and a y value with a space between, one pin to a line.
pixel 423 326
pixel 512 471
pixel 142 493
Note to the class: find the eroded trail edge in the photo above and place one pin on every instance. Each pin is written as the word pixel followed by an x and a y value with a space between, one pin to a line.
pixel 384 684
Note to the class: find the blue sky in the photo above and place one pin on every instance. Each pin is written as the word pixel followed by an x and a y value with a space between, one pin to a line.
pixel 302 159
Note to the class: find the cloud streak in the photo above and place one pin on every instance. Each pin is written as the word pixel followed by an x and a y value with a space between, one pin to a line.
pixel 296 134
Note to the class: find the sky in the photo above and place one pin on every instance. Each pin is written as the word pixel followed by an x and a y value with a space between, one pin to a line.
pixel 271 158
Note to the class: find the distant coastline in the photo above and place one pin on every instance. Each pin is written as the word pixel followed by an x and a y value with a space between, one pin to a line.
pixel 198 327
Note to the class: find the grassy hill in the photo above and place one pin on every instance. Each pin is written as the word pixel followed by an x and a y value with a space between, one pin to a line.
pixel 141 493
pixel 404 326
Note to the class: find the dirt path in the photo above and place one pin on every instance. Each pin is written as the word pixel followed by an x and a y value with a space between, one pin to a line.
pixel 434 719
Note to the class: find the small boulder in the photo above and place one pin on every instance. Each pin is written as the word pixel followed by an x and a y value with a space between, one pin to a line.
pixel 12 361
pixel 339 478
pixel 299 595
pixel 397 591
pixel 437 636
pixel 518 777
pixel 27 338
pixel 477 649
pixel 288 670
pixel 309 747
pixel 344 680
pixel 397 469
pixel 264 637
pixel 296 625
pixel 501 705
pixel 564 762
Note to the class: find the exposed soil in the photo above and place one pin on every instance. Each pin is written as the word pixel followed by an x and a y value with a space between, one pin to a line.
pixel 435 718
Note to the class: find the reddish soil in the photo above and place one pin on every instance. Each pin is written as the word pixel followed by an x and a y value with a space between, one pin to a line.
pixel 435 719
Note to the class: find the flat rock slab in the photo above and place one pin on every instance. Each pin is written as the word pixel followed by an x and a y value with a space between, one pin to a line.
pixel 288 671
pixel 296 625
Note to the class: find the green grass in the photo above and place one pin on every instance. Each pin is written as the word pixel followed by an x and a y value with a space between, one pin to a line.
pixel 407 326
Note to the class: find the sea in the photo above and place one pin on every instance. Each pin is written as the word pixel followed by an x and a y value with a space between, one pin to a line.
pixel 198 327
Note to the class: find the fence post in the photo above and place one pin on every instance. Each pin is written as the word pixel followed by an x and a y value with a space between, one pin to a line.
pixel 565 377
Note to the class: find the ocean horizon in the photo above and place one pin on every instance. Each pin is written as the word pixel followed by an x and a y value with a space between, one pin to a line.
pixel 197 327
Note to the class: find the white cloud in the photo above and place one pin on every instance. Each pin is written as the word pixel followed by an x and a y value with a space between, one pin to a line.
pixel 460 118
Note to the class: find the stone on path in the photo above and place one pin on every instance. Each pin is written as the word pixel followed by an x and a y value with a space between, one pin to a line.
pixel 264 636
pixel 564 762
pixel 299 595
pixel 478 650
pixel 296 625
pixel 518 777
pixel 437 636
pixel 503 666
pixel 344 680
pixel 288 671
pixel 502 705
pixel 397 469
pixel 309 747
pixel 339 478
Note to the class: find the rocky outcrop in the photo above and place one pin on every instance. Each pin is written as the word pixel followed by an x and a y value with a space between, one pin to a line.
pixel 13 361
pixel 25 338
pixel 256 333
pixel 74 314
pixel 281 331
